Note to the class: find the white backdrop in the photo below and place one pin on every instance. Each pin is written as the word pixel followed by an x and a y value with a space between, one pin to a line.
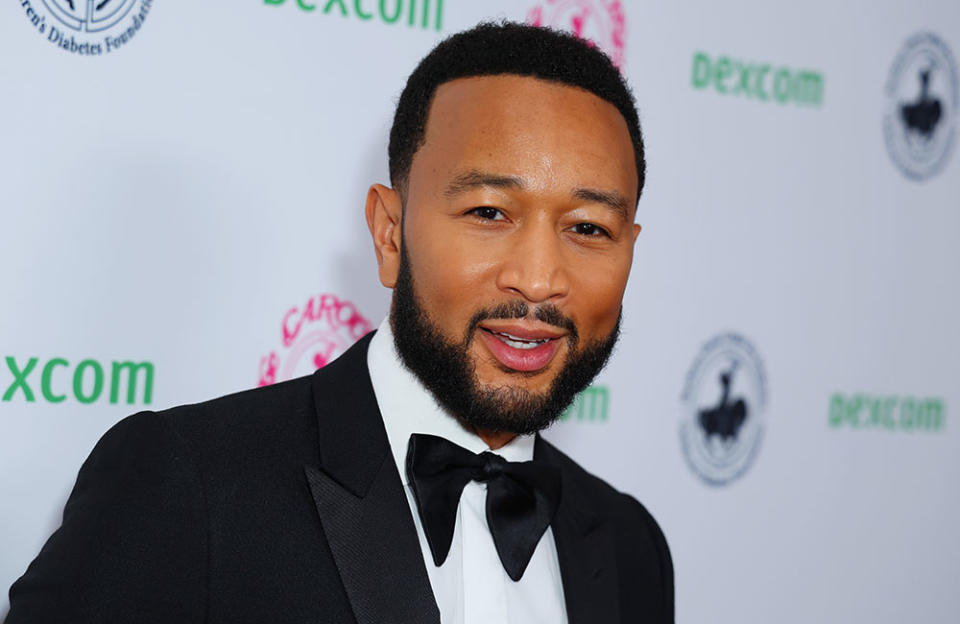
pixel 169 202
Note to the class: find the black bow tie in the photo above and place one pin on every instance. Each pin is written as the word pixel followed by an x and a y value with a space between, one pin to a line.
pixel 522 497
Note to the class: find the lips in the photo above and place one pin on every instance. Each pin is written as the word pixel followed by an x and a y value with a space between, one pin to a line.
pixel 521 348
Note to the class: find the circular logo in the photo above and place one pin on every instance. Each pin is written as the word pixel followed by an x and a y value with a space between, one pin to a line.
pixel 87 27
pixel 313 336
pixel 601 22
pixel 919 123
pixel 724 400
pixel 89 15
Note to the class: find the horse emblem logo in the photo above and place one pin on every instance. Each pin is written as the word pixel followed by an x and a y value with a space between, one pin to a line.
pixel 919 124
pixel 724 399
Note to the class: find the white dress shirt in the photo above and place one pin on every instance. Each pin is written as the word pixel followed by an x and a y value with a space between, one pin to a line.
pixel 471 587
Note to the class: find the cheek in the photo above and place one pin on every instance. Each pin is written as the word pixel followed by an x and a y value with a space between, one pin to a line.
pixel 451 279
pixel 599 292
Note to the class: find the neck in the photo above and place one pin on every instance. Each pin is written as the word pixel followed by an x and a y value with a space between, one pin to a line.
pixel 495 439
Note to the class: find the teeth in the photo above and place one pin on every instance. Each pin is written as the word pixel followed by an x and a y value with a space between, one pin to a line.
pixel 519 343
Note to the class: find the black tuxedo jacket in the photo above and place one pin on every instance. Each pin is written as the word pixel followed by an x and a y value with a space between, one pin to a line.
pixel 283 504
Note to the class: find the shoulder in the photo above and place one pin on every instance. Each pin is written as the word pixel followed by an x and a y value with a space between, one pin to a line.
pixel 643 556
pixel 168 477
pixel 268 414
pixel 247 413
pixel 222 432
pixel 243 413
pixel 271 430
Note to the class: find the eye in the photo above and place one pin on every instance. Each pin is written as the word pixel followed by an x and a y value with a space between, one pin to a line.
pixel 590 229
pixel 487 213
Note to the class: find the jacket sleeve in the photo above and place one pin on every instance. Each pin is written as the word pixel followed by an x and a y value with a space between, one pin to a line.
pixel 132 545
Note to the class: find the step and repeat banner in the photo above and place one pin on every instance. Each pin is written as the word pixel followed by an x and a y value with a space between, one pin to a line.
pixel 182 188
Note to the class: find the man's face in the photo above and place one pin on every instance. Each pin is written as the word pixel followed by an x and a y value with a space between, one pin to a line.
pixel 518 226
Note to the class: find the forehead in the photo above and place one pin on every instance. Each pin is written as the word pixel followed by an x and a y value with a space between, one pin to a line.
pixel 544 132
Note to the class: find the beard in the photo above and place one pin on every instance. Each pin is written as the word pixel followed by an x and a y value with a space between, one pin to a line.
pixel 448 372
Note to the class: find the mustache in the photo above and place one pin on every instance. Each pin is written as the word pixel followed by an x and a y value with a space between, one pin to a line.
pixel 517 309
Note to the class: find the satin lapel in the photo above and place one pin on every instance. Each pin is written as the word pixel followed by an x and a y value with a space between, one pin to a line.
pixel 361 502
pixel 585 549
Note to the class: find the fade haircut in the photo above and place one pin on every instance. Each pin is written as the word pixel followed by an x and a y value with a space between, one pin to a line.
pixel 491 49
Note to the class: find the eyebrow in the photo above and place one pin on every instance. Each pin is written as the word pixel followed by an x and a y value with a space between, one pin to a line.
pixel 475 179
pixel 611 199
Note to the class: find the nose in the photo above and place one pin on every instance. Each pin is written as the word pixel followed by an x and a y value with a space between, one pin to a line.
pixel 534 265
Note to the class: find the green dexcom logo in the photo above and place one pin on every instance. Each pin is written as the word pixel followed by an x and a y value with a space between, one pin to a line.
pixel 87 383
pixel 591 405
pixel 423 14
pixel 890 413
pixel 758 81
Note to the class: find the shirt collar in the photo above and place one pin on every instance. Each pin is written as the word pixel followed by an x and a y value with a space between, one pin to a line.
pixel 408 407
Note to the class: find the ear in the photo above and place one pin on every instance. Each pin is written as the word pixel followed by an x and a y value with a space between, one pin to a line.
pixel 636 231
pixel 384 213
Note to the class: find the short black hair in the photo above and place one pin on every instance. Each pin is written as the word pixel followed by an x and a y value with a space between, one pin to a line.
pixel 496 48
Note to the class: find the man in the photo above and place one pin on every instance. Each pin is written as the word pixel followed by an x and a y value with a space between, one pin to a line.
pixel 396 484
